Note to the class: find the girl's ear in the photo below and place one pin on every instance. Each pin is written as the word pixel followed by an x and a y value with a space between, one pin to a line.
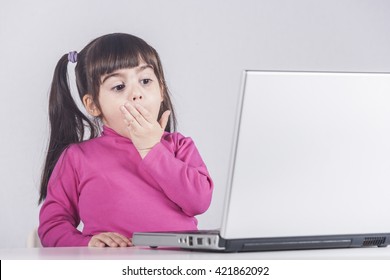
pixel 91 107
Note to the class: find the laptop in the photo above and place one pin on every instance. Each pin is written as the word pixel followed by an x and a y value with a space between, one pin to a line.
pixel 310 166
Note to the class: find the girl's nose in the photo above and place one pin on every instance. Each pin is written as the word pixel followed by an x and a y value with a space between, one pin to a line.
pixel 136 96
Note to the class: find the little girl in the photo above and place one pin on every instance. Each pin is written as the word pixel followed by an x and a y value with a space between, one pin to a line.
pixel 136 175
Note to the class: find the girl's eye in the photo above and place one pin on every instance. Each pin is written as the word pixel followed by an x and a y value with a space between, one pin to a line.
pixel 145 81
pixel 118 87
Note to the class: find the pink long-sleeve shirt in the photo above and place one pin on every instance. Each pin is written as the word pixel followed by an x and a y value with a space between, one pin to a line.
pixel 106 184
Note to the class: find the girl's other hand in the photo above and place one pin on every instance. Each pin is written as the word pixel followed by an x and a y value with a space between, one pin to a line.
pixel 109 239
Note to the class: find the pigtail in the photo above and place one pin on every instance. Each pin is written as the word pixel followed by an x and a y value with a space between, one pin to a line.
pixel 67 122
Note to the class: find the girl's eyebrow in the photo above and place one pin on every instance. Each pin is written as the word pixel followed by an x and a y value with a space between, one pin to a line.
pixel 138 69
pixel 114 74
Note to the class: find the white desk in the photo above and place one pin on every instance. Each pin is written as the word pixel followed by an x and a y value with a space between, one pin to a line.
pixel 145 253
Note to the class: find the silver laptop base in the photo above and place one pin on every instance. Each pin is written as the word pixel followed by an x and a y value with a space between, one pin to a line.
pixel 213 242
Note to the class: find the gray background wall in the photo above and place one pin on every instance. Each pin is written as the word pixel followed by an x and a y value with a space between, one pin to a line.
pixel 204 46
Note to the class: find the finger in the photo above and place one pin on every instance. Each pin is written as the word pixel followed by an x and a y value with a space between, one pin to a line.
pixel 125 239
pixel 95 242
pixel 145 113
pixel 121 240
pixel 100 244
pixel 126 114
pixel 107 239
pixel 164 119
pixel 136 114
pixel 129 119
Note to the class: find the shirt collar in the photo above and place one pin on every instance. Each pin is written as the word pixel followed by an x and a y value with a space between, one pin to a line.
pixel 108 131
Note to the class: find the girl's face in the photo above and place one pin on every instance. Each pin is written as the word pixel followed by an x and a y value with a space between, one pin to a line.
pixel 131 85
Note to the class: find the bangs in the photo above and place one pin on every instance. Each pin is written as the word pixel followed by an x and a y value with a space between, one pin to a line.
pixel 118 52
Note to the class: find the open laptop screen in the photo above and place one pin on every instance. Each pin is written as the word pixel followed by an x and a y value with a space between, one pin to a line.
pixel 312 155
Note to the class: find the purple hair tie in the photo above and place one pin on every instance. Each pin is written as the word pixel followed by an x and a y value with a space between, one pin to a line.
pixel 72 56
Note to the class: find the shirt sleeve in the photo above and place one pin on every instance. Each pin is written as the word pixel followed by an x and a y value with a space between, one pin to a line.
pixel 179 170
pixel 59 216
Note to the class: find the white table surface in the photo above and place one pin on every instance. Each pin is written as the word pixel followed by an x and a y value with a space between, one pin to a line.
pixel 146 253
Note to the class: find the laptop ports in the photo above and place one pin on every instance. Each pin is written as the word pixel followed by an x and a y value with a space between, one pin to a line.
pixel 190 241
